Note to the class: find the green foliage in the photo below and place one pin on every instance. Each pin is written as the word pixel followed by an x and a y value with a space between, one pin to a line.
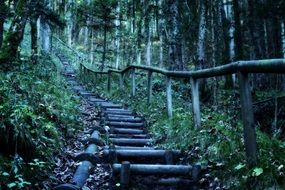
pixel 36 112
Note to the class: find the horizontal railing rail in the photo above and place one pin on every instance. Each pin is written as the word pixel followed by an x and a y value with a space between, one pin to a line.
pixel 253 66
pixel 242 68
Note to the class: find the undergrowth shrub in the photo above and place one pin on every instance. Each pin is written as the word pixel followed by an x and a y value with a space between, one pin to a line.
pixel 37 111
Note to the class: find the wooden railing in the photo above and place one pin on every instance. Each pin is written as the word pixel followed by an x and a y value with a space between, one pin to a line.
pixel 242 68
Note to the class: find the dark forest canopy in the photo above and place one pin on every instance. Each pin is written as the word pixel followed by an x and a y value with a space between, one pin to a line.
pixel 173 34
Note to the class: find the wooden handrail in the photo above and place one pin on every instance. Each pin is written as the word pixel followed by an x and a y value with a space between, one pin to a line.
pixel 253 66
pixel 242 68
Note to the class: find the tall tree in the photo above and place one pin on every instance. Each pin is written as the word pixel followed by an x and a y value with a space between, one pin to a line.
pixel 147 34
pixel 201 35
pixel 174 39
pixel 15 34
pixel 3 15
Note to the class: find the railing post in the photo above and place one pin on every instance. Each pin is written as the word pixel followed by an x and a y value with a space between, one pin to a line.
pixel 109 82
pixel 121 81
pixel 169 97
pixel 133 82
pixel 248 119
pixel 149 86
pixel 195 102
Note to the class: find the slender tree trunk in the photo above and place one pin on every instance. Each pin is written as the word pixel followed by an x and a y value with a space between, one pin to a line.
pixel 160 32
pixel 238 40
pixel 254 30
pixel 92 37
pixel 2 19
pixel 283 38
pixel 226 17
pixel 1 31
pixel 265 38
pixel 85 37
pixel 45 35
pixel 201 45
pixel 201 36
pixel 34 39
pixel 139 33
pixel 104 47
pixel 175 59
pixel 147 33
pixel 118 34
pixel 214 51
pixel 15 34
pixel 133 16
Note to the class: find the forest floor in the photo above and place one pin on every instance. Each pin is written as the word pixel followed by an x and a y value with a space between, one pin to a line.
pixel 65 165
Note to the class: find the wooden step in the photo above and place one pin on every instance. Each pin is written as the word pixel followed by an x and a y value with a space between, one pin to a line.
pixel 144 153
pixel 139 136
pixel 126 131
pixel 130 147
pixel 131 116
pixel 122 112
pixel 130 142
pixel 124 124
pixel 122 119
pixel 156 169
pixel 117 109
pixel 109 105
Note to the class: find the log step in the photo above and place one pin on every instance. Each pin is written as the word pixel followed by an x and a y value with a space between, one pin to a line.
pixel 130 142
pixel 109 105
pixel 151 169
pixel 120 116
pixel 130 147
pixel 117 109
pixel 118 113
pixel 140 136
pixel 95 100
pixel 126 131
pixel 119 119
pixel 143 153
pixel 124 124
pixel 86 94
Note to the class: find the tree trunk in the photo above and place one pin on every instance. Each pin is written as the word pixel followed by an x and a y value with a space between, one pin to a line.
pixel 201 36
pixel 2 19
pixel 45 35
pixel 139 34
pixel 118 34
pixel 1 31
pixel 214 52
pixel 266 38
pixel 104 48
pixel 34 39
pixel 147 33
pixel 237 32
pixel 201 46
pixel 15 34
pixel 226 36
pixel 92 49
pixel 175 59
pixel 254 30
pixel 160 32
pixel 283 38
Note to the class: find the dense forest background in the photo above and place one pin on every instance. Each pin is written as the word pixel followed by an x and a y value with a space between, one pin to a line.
pixel 176 35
